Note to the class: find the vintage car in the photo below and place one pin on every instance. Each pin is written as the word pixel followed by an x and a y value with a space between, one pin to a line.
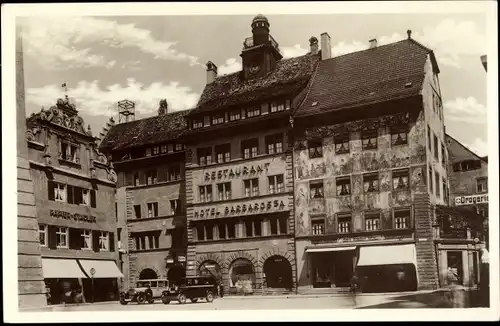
pixel 192 288
pixel 145 291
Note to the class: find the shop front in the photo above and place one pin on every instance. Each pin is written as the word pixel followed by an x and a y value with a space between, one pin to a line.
pixel 332 267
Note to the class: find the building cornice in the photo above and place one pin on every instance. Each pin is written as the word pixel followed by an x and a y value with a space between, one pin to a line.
pixel 71 173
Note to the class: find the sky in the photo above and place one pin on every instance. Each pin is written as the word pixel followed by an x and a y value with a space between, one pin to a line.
pixel 105 59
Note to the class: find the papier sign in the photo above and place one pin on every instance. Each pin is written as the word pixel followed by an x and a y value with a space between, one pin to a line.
pixel 471 200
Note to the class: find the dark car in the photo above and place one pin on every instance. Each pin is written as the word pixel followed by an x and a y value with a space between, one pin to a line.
pixel 192 288
pixel 145 291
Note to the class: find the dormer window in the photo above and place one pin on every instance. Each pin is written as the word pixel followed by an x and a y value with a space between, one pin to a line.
pixel 280 106
pixel 253 112
pixel 235 115
pixel 197 123
pixel 163 149
pixel 156 150
pixel 179 147
pixel 218 119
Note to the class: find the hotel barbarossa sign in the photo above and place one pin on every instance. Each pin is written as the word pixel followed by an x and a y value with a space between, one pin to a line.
pixel 249 208
pixel 471 200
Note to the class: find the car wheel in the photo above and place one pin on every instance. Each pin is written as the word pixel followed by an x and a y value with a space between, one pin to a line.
pixel 141 298
pixel 182 298
pixel 194 300
pixel 210 296
pixel 123 302
pixel 165 299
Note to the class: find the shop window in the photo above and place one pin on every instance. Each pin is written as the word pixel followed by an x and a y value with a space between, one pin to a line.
pixel 431 180
pixel 151 177
pixel 315 148
pixel 42 235
pixel 156 150
pixel 103 241
pixel 224 191
pixel 152 210
pixel 174 173
pixel 86 240
pixel 400 179
pixel 217 119
pixel 163 149
pixel 223 153
pixel 438 189
pixel 343 186
pixel 253 112
pixel 137 181
pixel 482 185
pixel 250 147
pixel 316 189
pixel 205 194
pixel 174 207
pixel 344 223
pixel 251 187
pixel 222 230
pixel 276 184
pixel 455 266
pixel 235 115
pixel 205 156
pixel 341 144
pixel 197 123
pixel 318 226
pixel 274 143
pixel 137 211
pixel 178 147
pixel 62 237
pixel 372 221
pixel 402 218
pixel 242 275
pixel 399 135
pixel 369 139
pixel 436 148
pixel 148 151
pixel 370 182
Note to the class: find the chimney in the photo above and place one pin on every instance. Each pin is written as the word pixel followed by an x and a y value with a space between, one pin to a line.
pixel 326 46
pixel 211 72
pixel 313 45
pixel 373 43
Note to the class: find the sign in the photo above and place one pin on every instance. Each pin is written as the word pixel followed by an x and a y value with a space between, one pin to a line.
pixel 181 259
pixel 92 271
pixel 231 173
pixel 365 238
pixel 70 216
pixel 170 260
pixel 471 200
pixel 249 208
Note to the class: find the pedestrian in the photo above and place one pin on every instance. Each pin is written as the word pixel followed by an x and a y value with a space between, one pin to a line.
pixel 354 289
pixel 455 288
pixel 400 275
pixel 484 280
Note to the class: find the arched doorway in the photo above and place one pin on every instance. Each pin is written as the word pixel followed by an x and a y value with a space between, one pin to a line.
pixel 242 275
pixel 210 268
pixel 278 272
pixel 175 274
pixel 148 274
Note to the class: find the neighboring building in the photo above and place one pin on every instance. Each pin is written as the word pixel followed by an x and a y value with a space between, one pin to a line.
pixel 74 196
pixel 149 160
pixel 370 163
pixel 239 181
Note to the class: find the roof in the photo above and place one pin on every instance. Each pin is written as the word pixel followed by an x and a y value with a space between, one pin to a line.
pixel 367 77
pixel 153 130
pixel 459 152
pixel 289 76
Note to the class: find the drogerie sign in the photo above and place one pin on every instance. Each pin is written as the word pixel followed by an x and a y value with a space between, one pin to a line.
pixel 471 200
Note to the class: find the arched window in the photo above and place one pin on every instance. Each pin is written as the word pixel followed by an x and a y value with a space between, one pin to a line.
pixel 210 268
pixel 148 274
pixel 278 272
pixel 242 275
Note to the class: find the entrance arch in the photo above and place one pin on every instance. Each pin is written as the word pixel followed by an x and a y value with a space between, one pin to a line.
pixel 148 274
pixel 175 274
pixel 210 268
pixel 278 272
pixel 242 275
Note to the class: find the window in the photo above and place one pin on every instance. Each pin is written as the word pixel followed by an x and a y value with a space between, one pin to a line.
pixel 429 138
pixel 62 237
pixel 209 231
pixel 223 153
pixel 59 192
pixel 148 151
pixel 163 149
pixel 86 240
pixel 205 194
pixel 436 148
pixel 224 191
pixel 151 177
pixel 482 185
pixel 343 186
pixel 316 189
pixel 250 147
pixel 344 223
pixel 372 221
pixel 178 147
pixel 174 207
pixel 276 184
pixel 235 115
pixel 200 232
pixel 231 229
pixel 443 155
pixel 278 106
pixel 152 210
pixel 78 196
pixel 154 240
pixel 42 234
pixel 431 180
pixel 438 189
pixel 445 188
pixel 483 211
pixel 370 182
pixel 253 112
pixel 222 230
pixel 402 219
pixel 156 150
pixel 274 143
pixel 467 165
pixel 341 144
pixel 318 226
pixel 315 148
pixel 69 152
pixel 86 197
pixel 369 139
pixel 399 135
pixel 136 179
pixel 283 225
pixel 197 123
pixel 218 119
pixel 103 241
pixel 205 156
pixel 253 227
pixel 251 187
pixel 400 179
pixel 174 173
pixel 137 211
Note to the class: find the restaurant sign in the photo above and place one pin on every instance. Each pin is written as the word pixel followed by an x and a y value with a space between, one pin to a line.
pixel 230 173
pixel 70 216
pixel 471 200
pixel 249 208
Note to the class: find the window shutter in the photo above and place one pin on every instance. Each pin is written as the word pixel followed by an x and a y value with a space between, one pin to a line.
pixel 52 236
pixel 51 187
pixel 69 190
pixel 92 198
pixel 95 240
pixel 111 241
pixel 75 238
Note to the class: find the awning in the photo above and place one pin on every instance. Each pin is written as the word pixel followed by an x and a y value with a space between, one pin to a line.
pixel 102 268
pixel 61 268
pixel 387 255
pixel 328 249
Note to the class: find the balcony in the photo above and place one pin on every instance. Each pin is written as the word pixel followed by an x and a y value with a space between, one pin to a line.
pixel 248 43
